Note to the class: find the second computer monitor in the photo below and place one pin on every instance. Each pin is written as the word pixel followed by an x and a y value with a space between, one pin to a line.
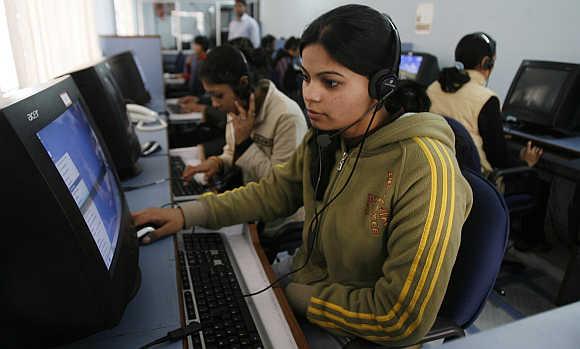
pixel 128 76
pixel 419 66
pixel 105 101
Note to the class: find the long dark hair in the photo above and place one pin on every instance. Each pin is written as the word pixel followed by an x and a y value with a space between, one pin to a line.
pixel 470 52
pixel 359 38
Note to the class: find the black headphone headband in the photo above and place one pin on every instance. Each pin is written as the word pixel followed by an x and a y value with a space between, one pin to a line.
pixel 491 49
pixel 227 75
pixel 384 82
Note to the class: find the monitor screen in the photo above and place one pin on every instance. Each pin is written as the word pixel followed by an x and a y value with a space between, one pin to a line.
pixel 538 89
pixel 73 148
pixel 409 66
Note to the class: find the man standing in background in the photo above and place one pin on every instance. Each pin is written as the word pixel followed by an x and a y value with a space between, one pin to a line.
pixel 244 25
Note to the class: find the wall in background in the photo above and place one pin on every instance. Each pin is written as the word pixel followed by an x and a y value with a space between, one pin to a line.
pixel 524 29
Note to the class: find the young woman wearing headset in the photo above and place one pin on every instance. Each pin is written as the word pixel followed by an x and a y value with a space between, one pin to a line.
pixel 383 196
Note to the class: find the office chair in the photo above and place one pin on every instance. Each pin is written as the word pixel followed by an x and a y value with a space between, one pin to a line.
pixel 483 242
pixel 521 203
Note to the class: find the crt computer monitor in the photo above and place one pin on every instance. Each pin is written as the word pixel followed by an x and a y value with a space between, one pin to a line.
pixel 105 101
pixel 69 254
pixel 545 94
pixel 126 72
pixel 419 66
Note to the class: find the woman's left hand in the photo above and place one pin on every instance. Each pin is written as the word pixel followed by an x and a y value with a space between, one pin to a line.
pixel 244 120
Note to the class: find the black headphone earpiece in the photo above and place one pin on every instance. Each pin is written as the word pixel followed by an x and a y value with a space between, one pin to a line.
pixel 384 82
pixel 243 91
pixel 488 64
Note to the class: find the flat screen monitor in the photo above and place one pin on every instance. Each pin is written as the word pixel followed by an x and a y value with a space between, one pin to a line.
pixel 129 78
pixel 419 66
pixel 545 94
pixel 69 259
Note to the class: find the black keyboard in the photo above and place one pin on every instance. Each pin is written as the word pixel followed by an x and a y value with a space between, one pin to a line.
pixel 181 188
pixel 211 294
pixel 174 108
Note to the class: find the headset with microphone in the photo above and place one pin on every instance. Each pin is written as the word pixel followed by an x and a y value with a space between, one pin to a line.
pixel 382 85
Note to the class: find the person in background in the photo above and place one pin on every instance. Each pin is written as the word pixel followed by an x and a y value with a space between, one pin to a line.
pixel 162 24
pixel 264 126
pixel 243 25
pixel 197 104
pixel 384 198
pixel 461 93
pixel 268 44
pixel 192 64
pixel 286 71
pixel 263 58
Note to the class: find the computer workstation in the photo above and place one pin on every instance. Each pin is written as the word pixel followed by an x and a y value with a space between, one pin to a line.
pixel 71 274
pixel 146 50
pixel 146 111
pixel 542 106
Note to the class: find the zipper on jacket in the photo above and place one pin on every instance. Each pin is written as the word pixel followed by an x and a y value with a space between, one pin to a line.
pixel 331 188
pixel 341 162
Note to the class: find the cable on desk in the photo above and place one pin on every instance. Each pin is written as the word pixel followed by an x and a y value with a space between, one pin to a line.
pixel 175 335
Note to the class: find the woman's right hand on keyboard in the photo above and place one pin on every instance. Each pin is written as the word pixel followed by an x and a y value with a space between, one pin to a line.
pixel 210 167
pixel 167 220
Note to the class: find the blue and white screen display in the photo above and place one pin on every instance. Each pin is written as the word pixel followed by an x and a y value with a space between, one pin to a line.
pixel 73 147
pixel 409 66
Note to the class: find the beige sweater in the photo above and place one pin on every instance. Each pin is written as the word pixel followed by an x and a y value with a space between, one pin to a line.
pixel 464 106
pixel 279 128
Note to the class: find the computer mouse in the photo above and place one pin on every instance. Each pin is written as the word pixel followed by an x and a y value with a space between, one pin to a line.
pixel 144 231
pixel 149 148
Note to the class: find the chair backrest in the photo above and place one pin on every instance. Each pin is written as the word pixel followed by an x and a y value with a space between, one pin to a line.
pixel 465 150
pixel 483 242
pixel 483 238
